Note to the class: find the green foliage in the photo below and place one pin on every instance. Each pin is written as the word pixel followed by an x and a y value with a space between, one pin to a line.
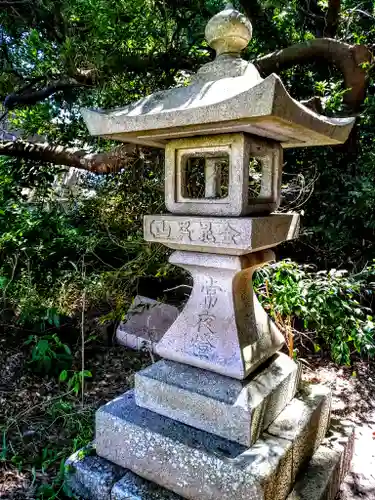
pixel 49 354
pixel 75 380
pixel 332 308
pixel 50 254
pixel 44 457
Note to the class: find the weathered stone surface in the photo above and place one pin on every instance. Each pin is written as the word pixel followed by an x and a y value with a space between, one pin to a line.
pixel 91 477
pixel 228 32
pixel 341 437
pixel 133 487
pixel 236 150
pixel 320 480
pixel 223 326
pixel 194 463
pixel 227 105
pixel 224 235
pixel 233 409
pixel 146 322
pixel 330 463
pixel 305 422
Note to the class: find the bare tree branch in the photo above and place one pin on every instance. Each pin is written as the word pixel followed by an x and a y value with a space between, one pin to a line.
pixel 349 59
pixel 70 157
pixel 28 96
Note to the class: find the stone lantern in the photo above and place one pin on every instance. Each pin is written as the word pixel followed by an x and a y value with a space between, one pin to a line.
pixel 218 416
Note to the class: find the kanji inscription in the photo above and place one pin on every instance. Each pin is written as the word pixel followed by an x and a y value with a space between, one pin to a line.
pixel 224 233
pixel 206 335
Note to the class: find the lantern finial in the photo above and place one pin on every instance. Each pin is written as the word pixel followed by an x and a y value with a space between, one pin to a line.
pixel 229 31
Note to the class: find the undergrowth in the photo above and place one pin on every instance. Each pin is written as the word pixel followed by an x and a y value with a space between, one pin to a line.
pixel 330 310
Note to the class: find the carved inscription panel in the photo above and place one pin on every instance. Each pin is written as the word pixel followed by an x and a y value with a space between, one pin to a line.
pixel 195 231
pixel 206 335
pixel 220 235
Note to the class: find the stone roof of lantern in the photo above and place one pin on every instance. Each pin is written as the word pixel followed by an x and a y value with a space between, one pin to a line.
pixel 226 95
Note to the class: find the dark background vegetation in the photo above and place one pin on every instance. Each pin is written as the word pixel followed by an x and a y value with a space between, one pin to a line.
pixel 72 261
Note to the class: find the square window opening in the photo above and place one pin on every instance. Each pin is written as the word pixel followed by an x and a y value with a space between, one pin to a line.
pixel 256 180
pixel 205 176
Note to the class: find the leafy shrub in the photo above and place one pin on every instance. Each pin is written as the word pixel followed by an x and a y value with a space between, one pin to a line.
pixel 51 254
pixel 49 354
pixel 331 308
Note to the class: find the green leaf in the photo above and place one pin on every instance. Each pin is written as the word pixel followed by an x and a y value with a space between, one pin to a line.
pixel 317 348
pixel 63 376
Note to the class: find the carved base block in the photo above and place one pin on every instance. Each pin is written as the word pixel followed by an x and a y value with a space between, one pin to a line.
pixel 234 409
pixel 223 327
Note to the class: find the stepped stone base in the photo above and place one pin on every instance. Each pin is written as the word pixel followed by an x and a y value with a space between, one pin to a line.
pixel 199 465
pixel 234 409
pixel 94 478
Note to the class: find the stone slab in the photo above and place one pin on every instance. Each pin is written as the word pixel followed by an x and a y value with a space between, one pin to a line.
pixel 89 476
pixel 191 462
pixel 326 470
pixel 133 487
pixel 221 235
pixel 305 422
pixel 233 409
pixel 341 437
pixel 146 322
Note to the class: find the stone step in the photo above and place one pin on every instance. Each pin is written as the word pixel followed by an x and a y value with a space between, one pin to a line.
pixel 199 465
pixel 234 409
pixel 328 467
pixel 90 477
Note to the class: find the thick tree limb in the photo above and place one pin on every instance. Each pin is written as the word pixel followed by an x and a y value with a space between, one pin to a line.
pixel 347 58
pixel 171 61
pixel 70 157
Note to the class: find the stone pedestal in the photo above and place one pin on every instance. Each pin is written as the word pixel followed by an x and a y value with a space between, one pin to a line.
pixel 221 415
pixel 163 453
pixel 222 328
